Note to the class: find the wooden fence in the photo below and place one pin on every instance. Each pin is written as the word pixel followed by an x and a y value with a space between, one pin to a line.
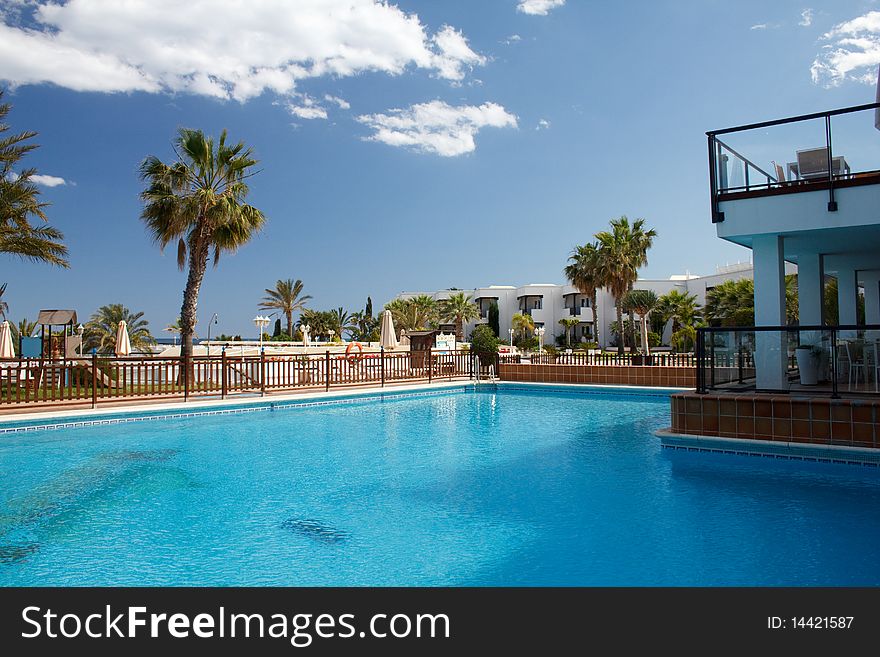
pixel 99 379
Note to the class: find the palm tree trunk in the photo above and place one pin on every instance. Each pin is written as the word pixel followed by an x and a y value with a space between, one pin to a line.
pixel 198 264
pixel 289 314
pixel 459 329
pixel 646 348
pixel 620 332
pixel 593 296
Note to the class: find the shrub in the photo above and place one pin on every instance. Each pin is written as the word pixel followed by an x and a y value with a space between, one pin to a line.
pixel 654 339
pixel 683 339
pixel 529 343
pixel 484 344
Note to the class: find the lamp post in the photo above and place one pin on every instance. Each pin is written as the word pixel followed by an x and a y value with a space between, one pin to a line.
pixel 331 333
pixel 79 331
pixel 539 331
pixel 214 320
pixel 510 331
pixel 261 323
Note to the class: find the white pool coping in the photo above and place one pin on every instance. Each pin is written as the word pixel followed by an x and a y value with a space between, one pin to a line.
pixel 778 449
pixel 196 405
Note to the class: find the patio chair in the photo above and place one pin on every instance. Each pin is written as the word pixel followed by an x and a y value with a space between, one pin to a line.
pixel 780 172
pixel 855 355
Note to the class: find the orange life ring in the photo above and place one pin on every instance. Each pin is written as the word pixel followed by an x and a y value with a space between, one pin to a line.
pixel 353 358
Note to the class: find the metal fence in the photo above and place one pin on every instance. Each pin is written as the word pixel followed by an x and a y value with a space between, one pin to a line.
pixel 99 379
pixel 664 359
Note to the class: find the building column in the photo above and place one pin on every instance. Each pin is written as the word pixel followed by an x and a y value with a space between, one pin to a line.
pixel 847 293
pixel 871 280
pixel 771 353
pixel 811 288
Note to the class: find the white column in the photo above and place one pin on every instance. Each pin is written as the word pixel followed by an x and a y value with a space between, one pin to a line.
pixel 847 292
pixel 771 352
pixel 871 279
pixel 811 285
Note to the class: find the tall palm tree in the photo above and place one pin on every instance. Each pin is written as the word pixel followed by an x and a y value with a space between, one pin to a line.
pixel 101 329
pixel 343 321
pixel 459 308
pixel 569 323
pixel 24 328
pixel 642 302
pixel 199 202
pixel 585 272
pixel 287 297
pixel 20 202
pixel 622 251
pixel 523 324
pixel 4 307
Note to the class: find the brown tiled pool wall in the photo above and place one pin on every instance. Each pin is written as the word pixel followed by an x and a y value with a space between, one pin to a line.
pixel 677 377
pixel 824 421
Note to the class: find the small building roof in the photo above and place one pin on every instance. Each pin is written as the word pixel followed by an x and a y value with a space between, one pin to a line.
pixel 56 317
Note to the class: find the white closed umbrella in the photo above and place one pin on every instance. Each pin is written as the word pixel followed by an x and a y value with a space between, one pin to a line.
pixel 6 349
pixel 877 111
pixel 123 344
pixel 387 337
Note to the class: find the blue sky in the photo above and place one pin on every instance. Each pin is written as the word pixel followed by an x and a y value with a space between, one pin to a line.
pixel 414 146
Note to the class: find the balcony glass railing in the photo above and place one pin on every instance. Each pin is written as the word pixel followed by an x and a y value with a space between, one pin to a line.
pixel 821 360
pixel 826 150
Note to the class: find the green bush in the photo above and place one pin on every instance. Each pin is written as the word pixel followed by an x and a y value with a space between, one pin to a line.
pixel 654 339
pixel 484 344
pixel 550 350
pixel 684 339
pixel 529 343
pixel 588 345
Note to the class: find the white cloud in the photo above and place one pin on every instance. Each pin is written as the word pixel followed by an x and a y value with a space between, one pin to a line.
pixel 47 181
pixel 455 54
pixel 237 49
pixel 806 18
pixel 437 127
pixel 306 107
pixel 853 52
pixel 759 26
pixel 543 124
pixel 513 38
pixel 340 102
pixel 538 7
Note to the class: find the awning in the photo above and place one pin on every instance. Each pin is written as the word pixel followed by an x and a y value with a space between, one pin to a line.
pixel 56 317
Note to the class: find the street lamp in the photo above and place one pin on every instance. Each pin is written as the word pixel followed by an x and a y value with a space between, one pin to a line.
pixel 539 331
pixel 331 333
pixel 261 323
pixel 214 320
pixel 79 331
pixel 510 331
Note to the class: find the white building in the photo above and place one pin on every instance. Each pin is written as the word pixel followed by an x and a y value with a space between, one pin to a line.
pixel 819 209
pixel 548 303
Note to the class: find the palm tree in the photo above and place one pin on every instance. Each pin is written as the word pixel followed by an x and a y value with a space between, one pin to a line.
pixel 642 302
pixel 459 308
pixel 413 314
pixel 585 273
pixel 19 203
pixel 199 203
pixel 569 323
pixel 731 303
pixel 101 329
pixel 24 328
pixel 4 307
pixel 343 321
pixel 622 251
pixel 523 324
pixel 681 308
pixel 288 298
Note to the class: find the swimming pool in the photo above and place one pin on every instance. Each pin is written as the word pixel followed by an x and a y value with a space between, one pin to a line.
pixel 507 485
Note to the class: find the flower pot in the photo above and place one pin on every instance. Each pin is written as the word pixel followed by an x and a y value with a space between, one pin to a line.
pixel 808 366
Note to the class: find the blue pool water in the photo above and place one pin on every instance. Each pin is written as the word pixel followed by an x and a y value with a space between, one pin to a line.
pixel 503 487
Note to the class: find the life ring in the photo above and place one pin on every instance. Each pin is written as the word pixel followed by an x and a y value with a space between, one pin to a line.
pixel 353 358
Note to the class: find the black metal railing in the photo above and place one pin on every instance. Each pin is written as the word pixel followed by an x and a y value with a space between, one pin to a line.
pixel 725 161
pixel 822 360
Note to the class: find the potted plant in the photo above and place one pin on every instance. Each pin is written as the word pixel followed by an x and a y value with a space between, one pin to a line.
pixel 808 356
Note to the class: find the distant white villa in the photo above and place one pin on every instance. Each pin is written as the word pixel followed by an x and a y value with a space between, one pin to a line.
pixel 547 303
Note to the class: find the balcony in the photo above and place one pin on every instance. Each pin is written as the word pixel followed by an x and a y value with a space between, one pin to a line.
pixel 821 154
